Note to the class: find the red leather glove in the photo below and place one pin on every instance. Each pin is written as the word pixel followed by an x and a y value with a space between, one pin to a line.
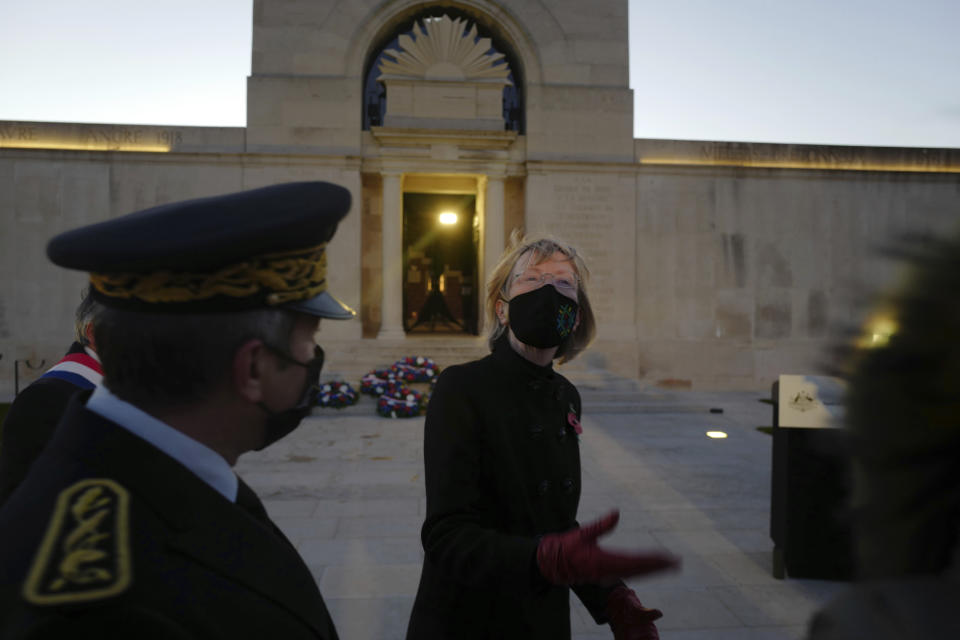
pixel 573 557
pixel 629 619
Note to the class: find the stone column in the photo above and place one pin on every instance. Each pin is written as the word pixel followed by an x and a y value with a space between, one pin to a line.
pixel 391 308
pixel 493 232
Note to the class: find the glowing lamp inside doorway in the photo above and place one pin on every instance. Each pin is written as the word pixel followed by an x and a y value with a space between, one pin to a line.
pixel 448 218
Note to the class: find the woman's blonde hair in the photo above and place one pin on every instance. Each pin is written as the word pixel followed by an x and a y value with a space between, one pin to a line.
pixel 541 248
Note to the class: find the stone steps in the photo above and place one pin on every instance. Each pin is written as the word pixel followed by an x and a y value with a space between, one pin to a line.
pixel 593 403
pixel 601 391
pixel 351 360
pixel 633 404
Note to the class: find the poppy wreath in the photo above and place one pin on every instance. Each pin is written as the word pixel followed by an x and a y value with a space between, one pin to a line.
pixel 415 369
pixel 377 382
pixel 400 403
pixel 337 395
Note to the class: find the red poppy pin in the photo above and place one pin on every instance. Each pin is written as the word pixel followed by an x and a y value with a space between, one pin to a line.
pixel 572 419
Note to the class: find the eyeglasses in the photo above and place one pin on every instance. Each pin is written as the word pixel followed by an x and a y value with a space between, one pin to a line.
pixel 314 364
pixel 313 367
pixel 533 280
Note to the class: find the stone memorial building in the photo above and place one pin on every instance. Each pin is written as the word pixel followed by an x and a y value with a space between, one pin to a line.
pixel 715 265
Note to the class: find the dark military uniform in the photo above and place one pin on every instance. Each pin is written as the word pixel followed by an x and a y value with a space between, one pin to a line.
pixel 110 537
pixel 502 468
pixel 137 546
pixel 32 418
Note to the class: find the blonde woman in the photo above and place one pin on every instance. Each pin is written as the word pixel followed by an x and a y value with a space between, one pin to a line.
pixel 502 461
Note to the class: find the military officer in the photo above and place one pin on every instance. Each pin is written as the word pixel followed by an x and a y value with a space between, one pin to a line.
pixel 132 523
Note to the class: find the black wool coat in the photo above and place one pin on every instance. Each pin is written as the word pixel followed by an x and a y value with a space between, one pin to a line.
pixel 502 467
pixel 109 537
pixel 29 425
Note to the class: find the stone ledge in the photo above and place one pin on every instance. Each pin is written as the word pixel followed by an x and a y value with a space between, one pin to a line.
pixel 795 156
pixel 463 138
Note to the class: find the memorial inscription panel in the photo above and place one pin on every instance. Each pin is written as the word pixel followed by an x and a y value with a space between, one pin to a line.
pixel 592 212
pixel 108 137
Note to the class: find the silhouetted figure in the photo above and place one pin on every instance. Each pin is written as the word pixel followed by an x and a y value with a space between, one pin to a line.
pixel 903 417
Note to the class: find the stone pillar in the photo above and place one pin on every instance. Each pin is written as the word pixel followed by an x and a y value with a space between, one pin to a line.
pixel 391 308
pixel 493 232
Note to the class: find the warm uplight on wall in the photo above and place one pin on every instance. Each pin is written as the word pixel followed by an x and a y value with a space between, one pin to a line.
pixel 760 163
pixel 716 435
pixel 877 331
pixel 87 137
pixel 72 145
pixel 448 218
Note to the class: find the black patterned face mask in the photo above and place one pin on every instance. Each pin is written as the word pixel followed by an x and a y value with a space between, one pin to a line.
pixel 542 318
pixel 281 423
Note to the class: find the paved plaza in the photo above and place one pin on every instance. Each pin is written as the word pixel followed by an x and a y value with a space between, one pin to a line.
pixel 347 488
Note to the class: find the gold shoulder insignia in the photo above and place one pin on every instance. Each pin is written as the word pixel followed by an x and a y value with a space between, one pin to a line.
pixel 85 554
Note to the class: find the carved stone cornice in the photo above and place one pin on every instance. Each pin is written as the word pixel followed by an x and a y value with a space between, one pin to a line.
pixel 460 138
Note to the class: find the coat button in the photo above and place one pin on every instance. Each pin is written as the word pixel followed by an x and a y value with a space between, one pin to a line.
pixel 536 430
pixel 543 487
pixel 567 485
pixel 562 434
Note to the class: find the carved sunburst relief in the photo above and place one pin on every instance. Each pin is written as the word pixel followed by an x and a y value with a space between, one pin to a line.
pixel 444 50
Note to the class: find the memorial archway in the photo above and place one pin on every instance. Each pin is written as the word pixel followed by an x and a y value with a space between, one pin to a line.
pixel 440 267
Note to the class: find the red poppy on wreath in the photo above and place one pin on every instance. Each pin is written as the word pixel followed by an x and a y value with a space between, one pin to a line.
pixel 336 394
pixel 415 369
pixel 400 403
pixel 378 382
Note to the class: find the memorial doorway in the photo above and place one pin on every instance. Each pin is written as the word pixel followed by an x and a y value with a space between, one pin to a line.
pixel 440 263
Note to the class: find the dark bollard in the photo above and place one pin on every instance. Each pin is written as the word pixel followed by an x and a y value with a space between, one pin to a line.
pixel 809 522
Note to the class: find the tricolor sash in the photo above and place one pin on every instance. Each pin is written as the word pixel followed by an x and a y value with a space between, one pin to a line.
pixel 79 369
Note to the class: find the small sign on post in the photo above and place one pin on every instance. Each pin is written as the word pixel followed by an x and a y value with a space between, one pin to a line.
pixel 810 402
pixel 809 480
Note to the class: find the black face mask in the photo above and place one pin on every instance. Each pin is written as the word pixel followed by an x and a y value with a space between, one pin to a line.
pixel 281 423
pixel 542 318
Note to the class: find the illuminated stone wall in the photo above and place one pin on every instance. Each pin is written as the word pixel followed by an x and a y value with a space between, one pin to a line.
pixel 745 271
pixel 715 264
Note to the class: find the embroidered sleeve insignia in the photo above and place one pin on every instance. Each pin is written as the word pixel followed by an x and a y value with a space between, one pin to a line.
pixel 85 553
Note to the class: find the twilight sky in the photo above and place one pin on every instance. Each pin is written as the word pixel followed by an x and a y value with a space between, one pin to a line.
pixel 859 72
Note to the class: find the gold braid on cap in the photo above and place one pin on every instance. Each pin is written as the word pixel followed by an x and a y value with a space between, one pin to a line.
pixel 285 276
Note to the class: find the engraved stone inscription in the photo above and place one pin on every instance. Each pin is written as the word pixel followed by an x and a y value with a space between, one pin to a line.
pixel 18 132
pixel 89 137
pixel 113 136
pixel 170 137
pixel 584 214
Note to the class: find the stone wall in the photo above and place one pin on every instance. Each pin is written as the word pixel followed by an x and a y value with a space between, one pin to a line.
pixel 305 91
pixel 710 269
pixel 715 264
pixel 745 272
pixel 44 191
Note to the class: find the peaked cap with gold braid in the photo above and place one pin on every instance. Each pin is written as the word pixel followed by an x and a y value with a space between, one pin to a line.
pixel 253 249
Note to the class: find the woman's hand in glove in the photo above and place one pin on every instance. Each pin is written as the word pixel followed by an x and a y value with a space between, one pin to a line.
pixel 629 619
pixel 573 557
